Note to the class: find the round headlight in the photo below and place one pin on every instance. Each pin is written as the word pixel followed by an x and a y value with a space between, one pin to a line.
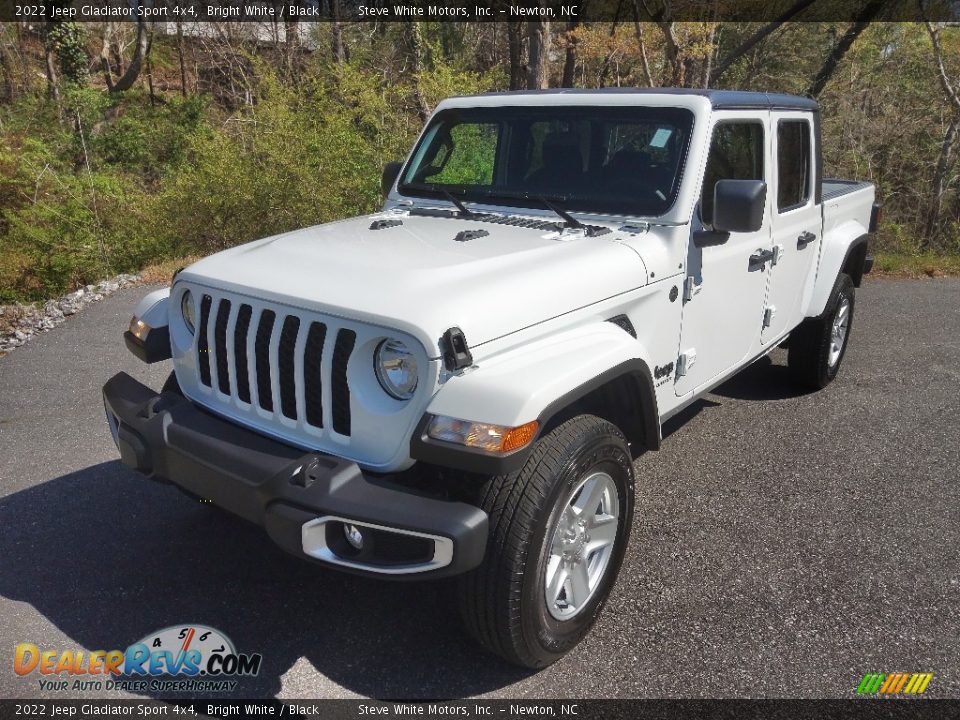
pixel 186 309
pixel 396 369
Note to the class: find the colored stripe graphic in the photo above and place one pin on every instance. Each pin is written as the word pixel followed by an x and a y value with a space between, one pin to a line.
pixel 870 683
pixel 894 683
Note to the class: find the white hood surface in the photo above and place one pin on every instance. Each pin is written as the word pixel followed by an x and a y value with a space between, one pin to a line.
pixel 417 278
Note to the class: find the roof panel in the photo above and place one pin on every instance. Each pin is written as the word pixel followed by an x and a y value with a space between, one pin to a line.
pixel 719 99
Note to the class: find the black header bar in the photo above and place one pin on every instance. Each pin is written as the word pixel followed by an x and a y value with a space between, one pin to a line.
pixel 562 11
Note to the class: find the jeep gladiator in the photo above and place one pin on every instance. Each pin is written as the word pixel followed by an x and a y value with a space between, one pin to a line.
pixel 459 384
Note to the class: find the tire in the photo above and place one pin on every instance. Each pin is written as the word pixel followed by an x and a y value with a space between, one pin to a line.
pixel 813 357
pixel 503 602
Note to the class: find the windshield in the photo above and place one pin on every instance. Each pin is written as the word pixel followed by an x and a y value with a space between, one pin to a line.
pixel 607 160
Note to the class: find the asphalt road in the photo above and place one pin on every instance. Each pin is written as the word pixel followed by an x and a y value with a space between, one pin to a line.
pixel 783 545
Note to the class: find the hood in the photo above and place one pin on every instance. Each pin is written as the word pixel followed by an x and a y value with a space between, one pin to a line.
pixel 418 278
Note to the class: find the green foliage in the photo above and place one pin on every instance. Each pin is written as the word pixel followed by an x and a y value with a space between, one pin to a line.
pixel 105 184
pixel 277 138
pixel 67 41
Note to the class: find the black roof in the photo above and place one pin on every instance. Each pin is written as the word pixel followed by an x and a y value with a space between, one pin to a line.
pixel 719 99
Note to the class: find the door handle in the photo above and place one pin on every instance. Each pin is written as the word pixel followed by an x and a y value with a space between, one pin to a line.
pixel 759 259
pixel 805 239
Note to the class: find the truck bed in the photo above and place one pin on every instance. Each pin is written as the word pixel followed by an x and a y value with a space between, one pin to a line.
pixel 835 187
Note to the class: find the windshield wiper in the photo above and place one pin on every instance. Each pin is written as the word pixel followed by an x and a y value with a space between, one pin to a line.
pixel 569 219
pixel 459 203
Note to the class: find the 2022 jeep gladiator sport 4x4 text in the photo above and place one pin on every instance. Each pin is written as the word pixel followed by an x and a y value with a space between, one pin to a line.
pixel 459 383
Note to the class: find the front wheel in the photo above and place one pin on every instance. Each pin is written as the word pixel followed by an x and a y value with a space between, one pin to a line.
pixel 558 532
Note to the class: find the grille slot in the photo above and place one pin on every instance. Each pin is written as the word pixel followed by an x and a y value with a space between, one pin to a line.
pixel 288 342
pixel 262 350
pixel 312 379
pixel 203 348
pixel 240 352
pixel 220 342
pixel 341 391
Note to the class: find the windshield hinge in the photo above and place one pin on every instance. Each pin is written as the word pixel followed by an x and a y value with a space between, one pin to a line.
pixel 456 352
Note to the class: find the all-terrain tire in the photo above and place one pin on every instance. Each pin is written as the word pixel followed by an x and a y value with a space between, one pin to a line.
pixel 502 602
pixel 813 357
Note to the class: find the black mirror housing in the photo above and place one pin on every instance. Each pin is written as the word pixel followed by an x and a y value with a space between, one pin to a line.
pixel 738 205
pixel 390 172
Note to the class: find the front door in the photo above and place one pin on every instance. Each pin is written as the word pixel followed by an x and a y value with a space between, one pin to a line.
pixel 723 309
pixel 796 221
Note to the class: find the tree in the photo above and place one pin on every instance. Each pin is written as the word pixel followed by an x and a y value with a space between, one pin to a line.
pixel 515 43
pixel 829 67
pixel 952 90
pixel 538 47
pixel 751 42
pixel 570 57
pixel 141 48
pixel 336 34
pixel 415 42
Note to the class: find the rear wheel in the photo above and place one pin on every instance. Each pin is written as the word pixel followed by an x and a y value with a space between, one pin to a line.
pixel 558 531
pixel 818 345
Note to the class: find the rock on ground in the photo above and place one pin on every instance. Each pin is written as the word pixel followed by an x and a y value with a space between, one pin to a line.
pixel 19 323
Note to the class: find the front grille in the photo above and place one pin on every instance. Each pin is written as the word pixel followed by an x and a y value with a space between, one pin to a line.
pixel 275 360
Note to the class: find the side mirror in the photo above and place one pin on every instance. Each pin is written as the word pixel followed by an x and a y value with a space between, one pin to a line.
pixel 390 172
pixel 738 205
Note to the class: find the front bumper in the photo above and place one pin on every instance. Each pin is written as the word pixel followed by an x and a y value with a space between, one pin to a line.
pixel 301 499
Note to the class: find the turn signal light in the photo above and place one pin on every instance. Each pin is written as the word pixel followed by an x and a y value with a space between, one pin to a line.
pixel 482 436
pixel 517 437
pixel 139 329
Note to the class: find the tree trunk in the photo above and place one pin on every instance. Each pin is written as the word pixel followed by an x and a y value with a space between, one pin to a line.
pixel 841 48
pixel 515 41
pixel 53 87
pixel 932 229
pixel 570 61
pixel 605 66
pixel 153 94
pixel 644 61
pixel 415 41
pixel 105 55
pixel 675 57
pixel 538 63
pixel 183 66
pixel 6 66
pixel 748 44
pixel 336 34
pixel 141 48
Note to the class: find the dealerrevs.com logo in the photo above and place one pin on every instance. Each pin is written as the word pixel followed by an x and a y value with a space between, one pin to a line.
pixel 179 658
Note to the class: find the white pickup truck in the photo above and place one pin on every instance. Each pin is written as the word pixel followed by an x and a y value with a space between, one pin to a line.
pixel 459 384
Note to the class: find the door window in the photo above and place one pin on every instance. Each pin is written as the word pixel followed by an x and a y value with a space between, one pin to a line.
pixel 736 153
pixel 793 164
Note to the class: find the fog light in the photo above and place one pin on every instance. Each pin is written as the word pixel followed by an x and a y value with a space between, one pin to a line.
pixel 353 536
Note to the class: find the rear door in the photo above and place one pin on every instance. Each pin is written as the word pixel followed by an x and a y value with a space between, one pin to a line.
pixel 797 222
pixel 722 312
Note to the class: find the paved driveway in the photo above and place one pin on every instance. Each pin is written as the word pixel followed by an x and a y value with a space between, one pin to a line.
pixel 783 544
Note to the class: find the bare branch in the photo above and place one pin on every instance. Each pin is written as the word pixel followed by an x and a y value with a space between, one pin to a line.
pixel 948 87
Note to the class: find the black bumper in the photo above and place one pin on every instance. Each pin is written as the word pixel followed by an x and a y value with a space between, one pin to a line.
pixel 169 439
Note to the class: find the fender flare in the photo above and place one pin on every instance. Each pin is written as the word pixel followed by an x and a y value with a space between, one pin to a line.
pixel 153 311
pixel 630 370
pixel 841 249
